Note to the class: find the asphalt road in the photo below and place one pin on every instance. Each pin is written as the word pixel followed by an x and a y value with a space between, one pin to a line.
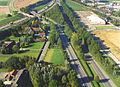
pixel 27 17
pixel 74 62
pixel 104 78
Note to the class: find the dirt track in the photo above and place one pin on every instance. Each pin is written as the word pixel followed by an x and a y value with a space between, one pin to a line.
pixel 23 3
pixel 111 39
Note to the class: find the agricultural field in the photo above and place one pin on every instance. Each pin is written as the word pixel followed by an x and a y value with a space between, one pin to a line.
pixel 55 56
pixel 4 8
pixel 111 39
pixel 76 6
pixel 6 20
pixel 4 2
pixel 23 3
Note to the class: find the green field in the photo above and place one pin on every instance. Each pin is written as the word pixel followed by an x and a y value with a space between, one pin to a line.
pixel 105 27
pixel 4 2
pixel 2 16
pixel 40 7
pixel 33 51
pixel 7 20
pixel 55 56
pixel 76 6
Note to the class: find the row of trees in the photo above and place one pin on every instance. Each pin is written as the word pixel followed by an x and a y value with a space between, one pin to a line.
pixel 54 36
pixel 48 75
pixel 55 14
pixel 83 41
pixel 80 41
pixel 1 84
pixel 15 62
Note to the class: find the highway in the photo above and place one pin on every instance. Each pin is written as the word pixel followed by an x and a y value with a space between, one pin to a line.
pixel 27 16
pixel 18 22
pixel 74 61
pixel 104 78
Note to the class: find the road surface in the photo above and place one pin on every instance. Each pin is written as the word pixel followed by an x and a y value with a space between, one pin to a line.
pixel 27 16
pixel 105 80
pixel 74 61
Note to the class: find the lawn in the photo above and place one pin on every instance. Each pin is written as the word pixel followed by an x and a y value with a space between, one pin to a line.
pixel 33 51
pixel 76 6
pixel 55 56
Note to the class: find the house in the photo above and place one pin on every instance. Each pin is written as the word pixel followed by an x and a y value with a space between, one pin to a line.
pixel 36 30
pixel 114 6
pixel 12 78
pixel 9 78
pixel 9 45
pixel 11 75
pixel 38 33
pixel 42 34
pixel 93 2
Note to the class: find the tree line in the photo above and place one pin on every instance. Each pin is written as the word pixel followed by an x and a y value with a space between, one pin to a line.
pixel 47 75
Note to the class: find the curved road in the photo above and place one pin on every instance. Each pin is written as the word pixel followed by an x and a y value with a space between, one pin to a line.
pixel 27 17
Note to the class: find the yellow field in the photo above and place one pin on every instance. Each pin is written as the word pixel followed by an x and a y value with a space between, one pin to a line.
pixel 49 55
pixel 111 39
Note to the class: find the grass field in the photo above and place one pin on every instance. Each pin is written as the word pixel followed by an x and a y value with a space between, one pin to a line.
pixel 76 6
pixel 105 27
pixel 55 56
pixel 33 51
pixel 7 20
pixel 4 2
pixel 2 16
pixel 40 7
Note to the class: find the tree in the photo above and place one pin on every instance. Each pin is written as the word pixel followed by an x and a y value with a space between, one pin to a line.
pixel 96 78
pixel 13 63
pixel 1 84
pixel 15 12
pixel 53 83
pixel 3 49
pixel 9 15
pixel 15 49
pixel 75 39
pixel 53 35
pixel 64 79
